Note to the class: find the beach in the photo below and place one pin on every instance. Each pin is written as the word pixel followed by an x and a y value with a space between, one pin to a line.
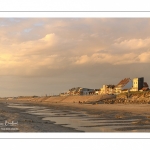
pixel 113 117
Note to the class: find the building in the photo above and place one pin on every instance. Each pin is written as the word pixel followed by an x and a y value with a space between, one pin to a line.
pixel 138 84
pixel 86 91
pixel 107 89
pixel 74 91
pixel 79 91
pixel 62 94
pixel 145 87
pixel 97 91
pixel 125 84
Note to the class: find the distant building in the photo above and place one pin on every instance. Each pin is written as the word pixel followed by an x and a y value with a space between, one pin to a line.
pixel 107 89
pixel 86 91
pixel 138 84
pixel 97 91
pixel 62 94
pixel 145 87
pixel 74 91
pixel 79 91
pixel 123 85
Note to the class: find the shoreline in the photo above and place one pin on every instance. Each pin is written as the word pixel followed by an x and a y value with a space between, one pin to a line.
pixel 134 108
pixel 27 122
pixel 33 123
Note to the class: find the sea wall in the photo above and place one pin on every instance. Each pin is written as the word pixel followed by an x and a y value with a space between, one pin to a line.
pixel 67 99
pixel 124 98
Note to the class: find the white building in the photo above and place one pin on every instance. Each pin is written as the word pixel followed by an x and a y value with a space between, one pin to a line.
pixel 138 84
pixel 107 89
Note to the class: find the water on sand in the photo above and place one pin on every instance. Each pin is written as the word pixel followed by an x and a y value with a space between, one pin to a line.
pixel 80 120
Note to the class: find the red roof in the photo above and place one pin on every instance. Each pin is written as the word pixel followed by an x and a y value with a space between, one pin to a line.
pixel 145 84
pixel 123 82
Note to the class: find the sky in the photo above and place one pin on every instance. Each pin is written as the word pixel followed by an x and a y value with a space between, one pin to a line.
pixel 40 56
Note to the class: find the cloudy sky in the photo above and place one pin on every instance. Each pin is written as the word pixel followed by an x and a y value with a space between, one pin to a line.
pixel 47 55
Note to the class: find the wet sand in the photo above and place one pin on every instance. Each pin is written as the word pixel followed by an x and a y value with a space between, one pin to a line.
pixel 116 112
pixel 26 122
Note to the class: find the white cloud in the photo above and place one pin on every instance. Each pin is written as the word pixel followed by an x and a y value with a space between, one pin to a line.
pixel 132 44
pixel 72 51
pixel 102 58
pixel 59 43
pixel 144 57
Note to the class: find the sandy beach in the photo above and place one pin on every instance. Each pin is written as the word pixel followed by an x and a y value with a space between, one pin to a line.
pixel 140 113
pixel 26 122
